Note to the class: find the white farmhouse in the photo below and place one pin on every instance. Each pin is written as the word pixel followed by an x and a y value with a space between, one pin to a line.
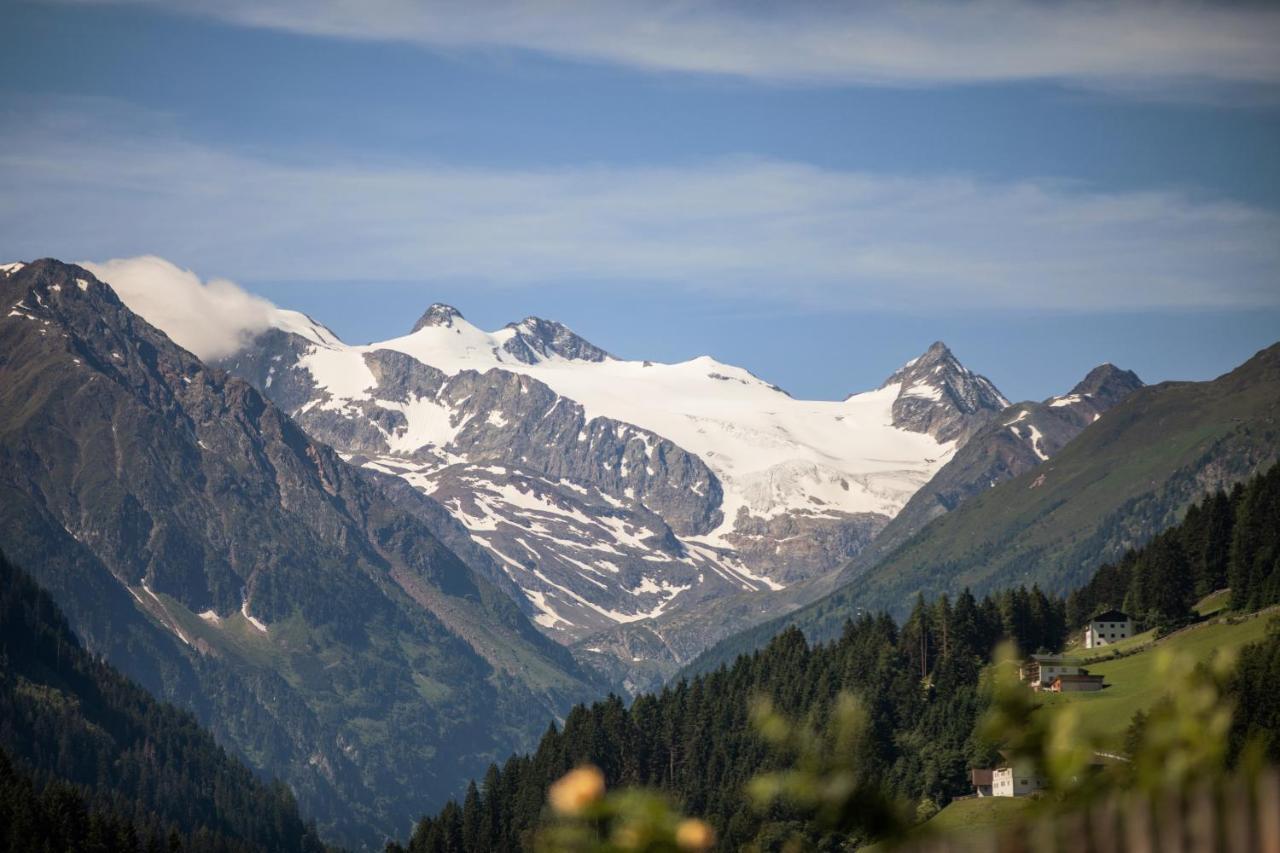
pixel 1107 628
pixel 1014 781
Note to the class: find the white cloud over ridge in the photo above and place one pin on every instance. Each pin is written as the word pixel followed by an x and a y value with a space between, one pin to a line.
pixel 211 319
pixel 768 231
pixel 1136 44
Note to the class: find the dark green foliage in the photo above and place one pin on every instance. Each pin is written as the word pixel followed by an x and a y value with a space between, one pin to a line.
pixel 695 742
pixel 1257 700
pixel 1254 565
pixel 1225 539
pixel 90 761
pixel 57 817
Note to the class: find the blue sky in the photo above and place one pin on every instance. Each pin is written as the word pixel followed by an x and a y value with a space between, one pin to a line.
pixel 814 194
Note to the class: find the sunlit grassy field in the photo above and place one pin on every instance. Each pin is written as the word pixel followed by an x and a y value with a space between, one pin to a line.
pixel 970 823
pixel 1132 682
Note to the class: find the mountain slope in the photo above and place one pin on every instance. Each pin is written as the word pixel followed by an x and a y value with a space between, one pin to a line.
pixel 613 492
pixel 1012 443
pixel 1124 478
pixel 71 720
pixel 202 542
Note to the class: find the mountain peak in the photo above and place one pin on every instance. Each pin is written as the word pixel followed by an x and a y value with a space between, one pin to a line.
pixel 937 353
pixel 1107 380
pixel 439 314
pixel 535 339
pixel 940 396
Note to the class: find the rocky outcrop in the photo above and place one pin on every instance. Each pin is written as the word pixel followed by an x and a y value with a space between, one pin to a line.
pixel 438 314
pixel 940 396
pixel 798 547
pixel 519 420
pixel 535 339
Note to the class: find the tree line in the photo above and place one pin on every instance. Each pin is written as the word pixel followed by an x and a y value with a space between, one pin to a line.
pixel 694 739
pixel 89 761
pixel 920 681
pixel 1228 539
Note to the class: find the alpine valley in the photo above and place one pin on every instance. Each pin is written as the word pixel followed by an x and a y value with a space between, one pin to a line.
pixel 371 570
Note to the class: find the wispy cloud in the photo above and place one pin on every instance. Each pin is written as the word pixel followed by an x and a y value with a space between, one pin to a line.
pixel 1137 45
pixel 212 318
pixel 77 185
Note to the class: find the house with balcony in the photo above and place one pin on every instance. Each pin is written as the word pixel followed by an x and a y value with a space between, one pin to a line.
pixel 1040 670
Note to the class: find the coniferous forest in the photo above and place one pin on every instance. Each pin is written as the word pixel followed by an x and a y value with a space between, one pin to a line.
pixel 921 682
pixel 695 741
pixel 1225 540
pixel 89 761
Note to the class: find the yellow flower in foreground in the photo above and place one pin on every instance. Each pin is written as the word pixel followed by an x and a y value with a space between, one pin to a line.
pixel 576 790
pixel 628 837
pixel 693 834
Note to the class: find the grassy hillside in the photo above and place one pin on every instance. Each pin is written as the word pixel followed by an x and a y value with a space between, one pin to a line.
pixel 1132 681
pixel 969 824
pixel 1132 686
pixel 1126 477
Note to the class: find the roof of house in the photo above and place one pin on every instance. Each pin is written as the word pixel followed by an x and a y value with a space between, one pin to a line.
pixel 1084 676
pixel 1111 616
pixel 980 777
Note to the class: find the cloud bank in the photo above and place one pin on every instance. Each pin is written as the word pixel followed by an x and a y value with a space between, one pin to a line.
pixel 1138 44
pixel 774 232
pixel 211 319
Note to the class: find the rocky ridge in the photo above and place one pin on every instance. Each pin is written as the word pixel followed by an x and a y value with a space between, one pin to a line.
pixel 313 617
pixel 1018 439
pixel 608 525
pixel 940 396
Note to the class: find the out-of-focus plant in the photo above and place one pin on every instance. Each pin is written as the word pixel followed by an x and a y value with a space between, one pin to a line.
pixel 824 783
pixel 1182 739
pixel 826 780
pixel 587 819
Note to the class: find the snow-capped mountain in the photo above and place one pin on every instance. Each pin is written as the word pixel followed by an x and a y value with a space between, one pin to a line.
pixel 199 540
pixel 613 491
pixel 940 396
pixel 1021 437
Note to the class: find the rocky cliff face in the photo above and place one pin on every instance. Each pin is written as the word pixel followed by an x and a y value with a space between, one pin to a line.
pixel 208 546
pixel 535 339
pixel 940 396
pixel 546 491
